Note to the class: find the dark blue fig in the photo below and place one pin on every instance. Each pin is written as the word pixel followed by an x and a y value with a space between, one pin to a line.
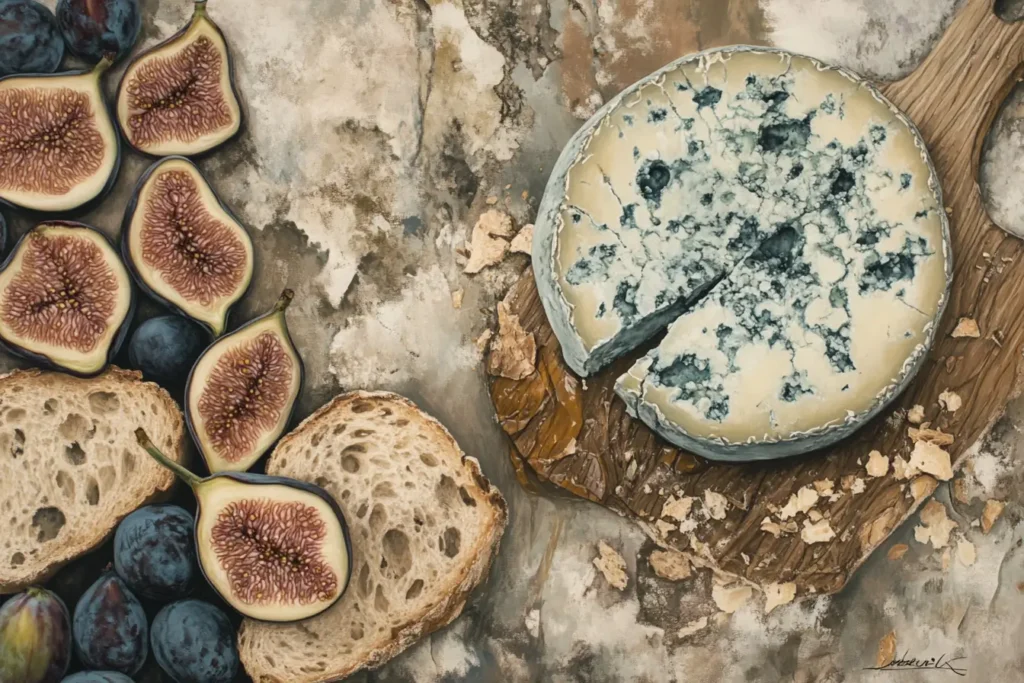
pixel 29 40
pixel 154 552
pixel 194 642
pixel 98 677
pixel 110 629
pixel 166 348
pixel 93 28
pixel 35 638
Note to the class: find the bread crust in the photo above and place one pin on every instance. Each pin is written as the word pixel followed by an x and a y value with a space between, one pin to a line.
pixel 451 596
pixel 161 481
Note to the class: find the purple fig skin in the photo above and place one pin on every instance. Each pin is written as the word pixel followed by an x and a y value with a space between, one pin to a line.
pixel 110 628
pixel 35 638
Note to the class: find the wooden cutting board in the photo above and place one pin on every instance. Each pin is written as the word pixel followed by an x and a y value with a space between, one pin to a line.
pixel 577 435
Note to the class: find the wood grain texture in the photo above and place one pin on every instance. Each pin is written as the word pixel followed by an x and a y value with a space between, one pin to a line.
pixel 577 434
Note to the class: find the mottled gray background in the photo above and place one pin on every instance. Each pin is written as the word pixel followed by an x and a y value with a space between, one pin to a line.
pixel 376 132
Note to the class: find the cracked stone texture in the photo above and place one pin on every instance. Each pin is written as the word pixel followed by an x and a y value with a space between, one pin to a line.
pixel 378 131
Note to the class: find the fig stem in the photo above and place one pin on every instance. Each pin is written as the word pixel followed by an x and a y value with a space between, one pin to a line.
pixel 188 477
pixel 282 303
pixel 200 9
pixel 105 62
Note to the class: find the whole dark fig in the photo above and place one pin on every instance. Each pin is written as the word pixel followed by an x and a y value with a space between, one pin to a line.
pixel 110 629
pixel 98 677
pixel 194 642
pixel 154 552
pixel 166 348
pixel 92 28
pixel 35 638
pixel 29 40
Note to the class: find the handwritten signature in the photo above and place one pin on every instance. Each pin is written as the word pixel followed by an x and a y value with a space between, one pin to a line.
pixel 907 663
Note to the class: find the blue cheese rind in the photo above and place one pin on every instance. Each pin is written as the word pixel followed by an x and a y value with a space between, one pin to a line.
pixel 783 214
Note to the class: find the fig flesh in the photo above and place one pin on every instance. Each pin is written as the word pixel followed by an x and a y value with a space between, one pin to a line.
pixel 59 150
pixel 29 42
pixel 65 298
pixel 274 548
pixel 194 642
pixel 183 246
pixel 241 393
pixel 166 348
pixel 35 638
pixel 110 627
pixel 93 28
pixel 179 97
pixel 154 552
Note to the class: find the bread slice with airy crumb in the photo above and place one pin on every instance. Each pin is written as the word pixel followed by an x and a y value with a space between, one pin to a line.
pixel 425 526
pixel 70 467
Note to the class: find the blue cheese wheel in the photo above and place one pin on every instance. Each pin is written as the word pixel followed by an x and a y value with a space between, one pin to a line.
pixel 780 217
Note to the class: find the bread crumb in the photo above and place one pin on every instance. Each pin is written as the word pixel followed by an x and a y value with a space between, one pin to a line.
pixel 670 564
pixel 898 551
pixel 936 525
pixel 492 200
pixel 928 457
pixel 716 504
pixel 731 598
pixel 960 492
pixel 677 509
pixel 878 464
pixel 612 566
pixel 901 469
pixel 693 627
pixel 966 327
pixel 886 650
pixel 801 501
pixel 484 339
pixel 824 487
pixel 857 486
pixel 776 529
pixel 950 401
pixel 514 352
pixel 523 241
pixel 935 436
pixel 778 594
pixel 922 487
pixel 457 296
pixel 488 245
pixel 664 528
pixel 966 553
pixel 993 509
pixel 815 515
pixel 818 532
pixel 916 415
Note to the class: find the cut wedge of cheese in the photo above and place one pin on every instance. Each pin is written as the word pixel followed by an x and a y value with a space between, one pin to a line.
pixel 780 217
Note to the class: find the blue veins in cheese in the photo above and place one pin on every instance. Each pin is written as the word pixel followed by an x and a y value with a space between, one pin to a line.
pixel 780 218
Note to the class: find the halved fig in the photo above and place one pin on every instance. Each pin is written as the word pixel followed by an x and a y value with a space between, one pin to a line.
pixel 183 246
pixel 65 298
pixel 274 548
pixel 59 150
pixel 179 97
pixel 241 392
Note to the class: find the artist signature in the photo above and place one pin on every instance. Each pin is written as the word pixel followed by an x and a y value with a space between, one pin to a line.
pixel 941 663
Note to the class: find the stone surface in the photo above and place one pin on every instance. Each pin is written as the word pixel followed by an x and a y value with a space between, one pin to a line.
pixel 376 132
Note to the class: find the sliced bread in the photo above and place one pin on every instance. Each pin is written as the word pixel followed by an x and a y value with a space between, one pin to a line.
pixel 425 526
pixel 70 467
